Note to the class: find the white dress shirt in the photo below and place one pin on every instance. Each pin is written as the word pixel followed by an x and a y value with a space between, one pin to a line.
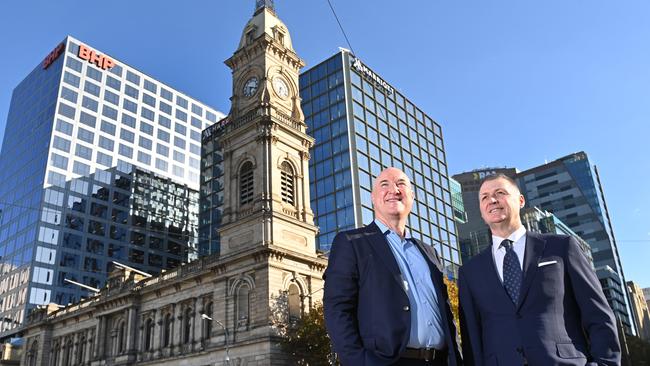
pixel 518 238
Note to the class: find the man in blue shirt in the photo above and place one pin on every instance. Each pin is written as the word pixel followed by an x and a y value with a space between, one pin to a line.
pixel 385 299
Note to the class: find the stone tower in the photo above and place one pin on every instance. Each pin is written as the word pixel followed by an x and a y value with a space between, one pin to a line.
pixel 265 144
pixel 268 252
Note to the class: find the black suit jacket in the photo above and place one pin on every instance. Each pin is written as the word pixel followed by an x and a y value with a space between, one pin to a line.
pixel 562 317
pixel 366 306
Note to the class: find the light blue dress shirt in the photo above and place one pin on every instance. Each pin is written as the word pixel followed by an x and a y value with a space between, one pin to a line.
pixel 426 321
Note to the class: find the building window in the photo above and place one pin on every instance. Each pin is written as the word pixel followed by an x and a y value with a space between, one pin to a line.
pixel 167 331
pixel 295 310
pixel 187 326
pixel 121 338
pixel 287 183
pixel 148 335
pixel 246 183
pixel 207 324
pixel 243 306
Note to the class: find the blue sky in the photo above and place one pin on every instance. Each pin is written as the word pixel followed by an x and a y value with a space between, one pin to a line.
pixel 512 83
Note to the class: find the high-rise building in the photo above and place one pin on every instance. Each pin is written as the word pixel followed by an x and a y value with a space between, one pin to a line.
pixel 640 312
pixel 99 162
pixel 362 124
pixel 570 189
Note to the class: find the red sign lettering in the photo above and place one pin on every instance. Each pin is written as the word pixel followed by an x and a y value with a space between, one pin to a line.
pixel 53 55
pixel 91 56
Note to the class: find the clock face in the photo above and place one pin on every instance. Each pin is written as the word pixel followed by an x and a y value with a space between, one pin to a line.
pixel 280 87
pixel 250 87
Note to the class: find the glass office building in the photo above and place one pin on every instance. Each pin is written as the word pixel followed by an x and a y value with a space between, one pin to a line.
pixel 362 125
pixel 568 187
pixel 99 162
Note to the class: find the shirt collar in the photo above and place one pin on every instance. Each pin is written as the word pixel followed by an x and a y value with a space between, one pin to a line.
pixel 385 230
pixel 514 237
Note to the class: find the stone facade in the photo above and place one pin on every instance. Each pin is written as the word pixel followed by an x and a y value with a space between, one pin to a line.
pixel 267 273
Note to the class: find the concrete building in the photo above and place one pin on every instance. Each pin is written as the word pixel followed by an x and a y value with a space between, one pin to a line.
pixel 266 273
pixel 640 312
pixel 99 162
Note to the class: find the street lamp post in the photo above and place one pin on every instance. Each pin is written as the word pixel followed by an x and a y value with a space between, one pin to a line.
pixel 225 330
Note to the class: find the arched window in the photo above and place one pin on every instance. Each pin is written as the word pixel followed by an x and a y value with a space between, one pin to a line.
pixel 207 324
pixel 246 183
pixel 243 306
pixel 32 354
pixel 121 338
pixel 148 334
pixel 187 326
pixel 167 331
pixel 287 183
pixel 295 310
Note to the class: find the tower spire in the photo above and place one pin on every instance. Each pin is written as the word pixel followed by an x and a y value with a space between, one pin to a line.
pixel 261 4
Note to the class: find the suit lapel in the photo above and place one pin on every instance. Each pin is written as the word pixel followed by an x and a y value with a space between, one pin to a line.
pixel 379 245
pixel 488 265
pixel 534 251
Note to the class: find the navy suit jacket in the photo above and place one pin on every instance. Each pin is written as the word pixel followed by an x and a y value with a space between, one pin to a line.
pixel 562 317
pixel 367 312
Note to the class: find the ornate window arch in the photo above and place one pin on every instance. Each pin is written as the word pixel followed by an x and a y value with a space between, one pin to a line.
pixel 287 183
pixel 246 183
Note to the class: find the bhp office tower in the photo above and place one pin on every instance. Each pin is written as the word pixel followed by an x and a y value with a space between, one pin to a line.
pixel 99 163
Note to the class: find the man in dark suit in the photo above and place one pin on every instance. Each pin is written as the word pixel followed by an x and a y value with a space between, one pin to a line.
pixel 531 299
pixel 385 300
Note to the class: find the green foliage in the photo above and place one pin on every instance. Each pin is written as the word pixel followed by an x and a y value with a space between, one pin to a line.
pixel 639 351
pixel 306 340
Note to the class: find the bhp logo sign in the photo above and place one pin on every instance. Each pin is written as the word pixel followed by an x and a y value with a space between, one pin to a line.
pixel 53 55
pixel 91 56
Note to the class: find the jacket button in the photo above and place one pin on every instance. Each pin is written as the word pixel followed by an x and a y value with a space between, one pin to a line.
pixel 405 308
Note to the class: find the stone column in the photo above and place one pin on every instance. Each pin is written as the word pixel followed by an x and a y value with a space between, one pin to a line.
pixel 100 335
pixel 177 329
pixel 158 332
pixel 89 346
pixel 198 329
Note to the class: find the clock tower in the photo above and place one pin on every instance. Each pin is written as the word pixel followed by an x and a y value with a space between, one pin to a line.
pixel 267 261
pixel 265 144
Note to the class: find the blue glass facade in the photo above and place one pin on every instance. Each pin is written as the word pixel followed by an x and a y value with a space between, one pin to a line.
pixel 361 126
pixel 96 165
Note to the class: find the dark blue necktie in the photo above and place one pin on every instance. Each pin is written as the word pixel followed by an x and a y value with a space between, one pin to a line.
pixel 512 273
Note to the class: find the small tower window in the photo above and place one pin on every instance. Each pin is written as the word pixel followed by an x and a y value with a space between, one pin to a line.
pixel 246 183
pixel 295 310
pixel 243 306
pixel 287 184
